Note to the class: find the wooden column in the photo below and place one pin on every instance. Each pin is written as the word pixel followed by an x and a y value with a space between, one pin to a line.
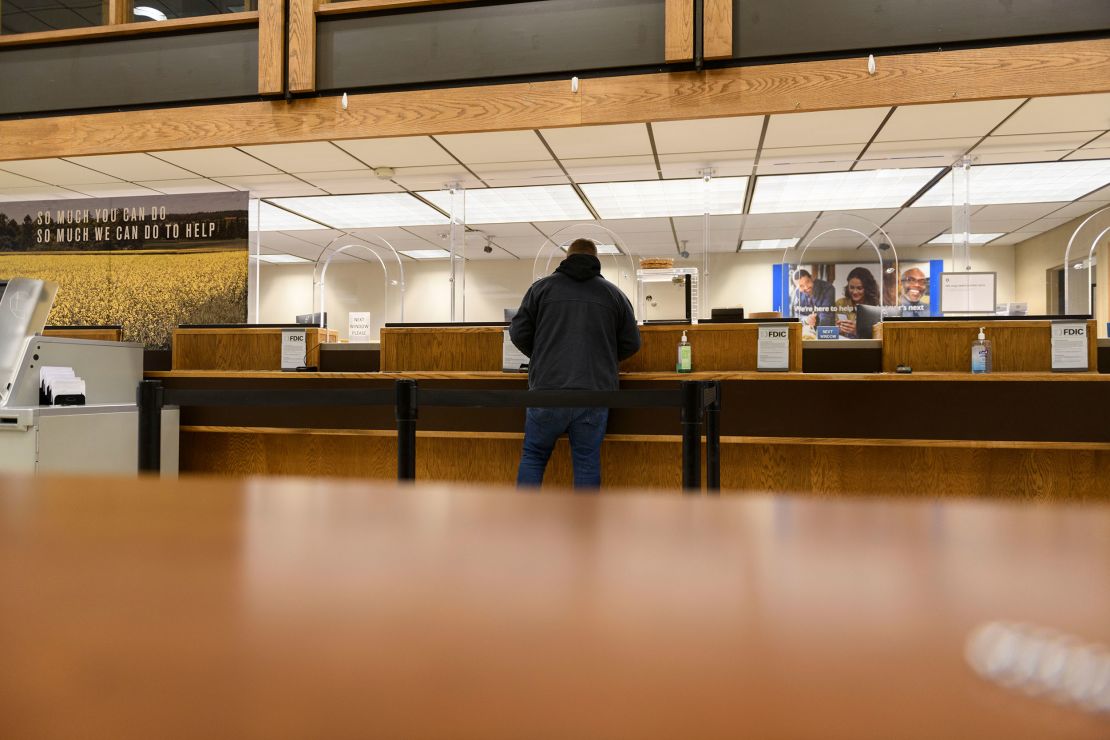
pixel 271 46
pixel 679 30
pixel 302 45
pixel 119 12
pixel 717 29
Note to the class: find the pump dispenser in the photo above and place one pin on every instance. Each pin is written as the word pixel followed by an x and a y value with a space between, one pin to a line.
pixel 981 353
pixel 685 356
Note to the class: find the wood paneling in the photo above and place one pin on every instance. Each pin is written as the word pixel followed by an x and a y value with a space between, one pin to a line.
pixel 967 74
pixel 925 471
pixel 945 346
pixel 239 348
pixel 441 348
pixel 476 458
pixel 716 347
pixel 302 45
pixel 717 29
pixel 271 46
pixel 364 6
pixel 119 12
pixel 177 25
pixel 101 333
pixel 679 31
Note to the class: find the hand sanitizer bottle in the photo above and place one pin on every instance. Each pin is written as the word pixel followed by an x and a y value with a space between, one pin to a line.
pixel 685 356
pixel 981 354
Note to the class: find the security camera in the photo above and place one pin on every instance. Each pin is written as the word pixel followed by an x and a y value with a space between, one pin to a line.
pixel 487 249
pixel 684 254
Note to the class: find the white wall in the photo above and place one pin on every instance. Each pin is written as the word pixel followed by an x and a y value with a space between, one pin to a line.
pixel 743 279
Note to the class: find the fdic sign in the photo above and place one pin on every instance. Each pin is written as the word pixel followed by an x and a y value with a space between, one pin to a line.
pixel 1069 346
pixel 773 352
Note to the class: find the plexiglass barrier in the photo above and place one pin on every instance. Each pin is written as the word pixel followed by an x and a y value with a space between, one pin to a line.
pixel 616 259
pixel 388 304
pixel 839 298
pixel 1080 254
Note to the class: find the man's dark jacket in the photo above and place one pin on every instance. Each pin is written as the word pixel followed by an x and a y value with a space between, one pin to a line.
pixel 575 326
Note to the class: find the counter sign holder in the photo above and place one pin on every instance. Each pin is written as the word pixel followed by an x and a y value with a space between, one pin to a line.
pixel 773 351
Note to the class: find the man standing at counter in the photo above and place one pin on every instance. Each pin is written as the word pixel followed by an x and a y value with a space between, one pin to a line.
pixel 576 327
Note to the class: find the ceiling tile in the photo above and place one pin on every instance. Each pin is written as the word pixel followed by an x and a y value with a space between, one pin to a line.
pixel 133 167
pixel 10 180
pixel 929 153
pixel 1014 237
pixel 583 142
pixel 520 174
pixel 612 169
pixel 631 226
pixel 507 230
pixel 1028 147
pixel 54 172
pixel 724 164
pixel 1009 217
pixel 113 190
pixel 43 192
pixel 318 237
pixel 804 159
pixel 946 120
pixel 1060 113
pixel 271 186
pixel 402 151
pixel 496 146
pixel 313 156
pixel 927 217
pixel 1078 208
pixel 435 176
pixel 224 161
pixel 823 128
pixel 708 135
pixel 182 187
pixel 349 182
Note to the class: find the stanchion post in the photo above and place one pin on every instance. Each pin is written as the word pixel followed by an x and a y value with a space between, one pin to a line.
pixel 713 438
pixel 149 398
pixel 691 436
pixel 406 429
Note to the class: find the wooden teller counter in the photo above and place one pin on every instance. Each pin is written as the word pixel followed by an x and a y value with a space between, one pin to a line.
pixel 1021 431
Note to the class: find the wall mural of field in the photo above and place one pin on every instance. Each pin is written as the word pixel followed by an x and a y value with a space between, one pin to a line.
pixel 147 264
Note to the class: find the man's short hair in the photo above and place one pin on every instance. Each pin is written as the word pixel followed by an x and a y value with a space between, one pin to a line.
pixel 582 246
pixel 799 274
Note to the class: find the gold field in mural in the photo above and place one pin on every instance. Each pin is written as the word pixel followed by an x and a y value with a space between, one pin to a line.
pixel 147 292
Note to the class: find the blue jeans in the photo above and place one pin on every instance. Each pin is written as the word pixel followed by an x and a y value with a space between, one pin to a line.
pixel 586 429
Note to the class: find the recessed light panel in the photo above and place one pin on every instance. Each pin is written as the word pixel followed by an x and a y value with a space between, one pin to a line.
pixel 365 211
pixel 838 191
pixel 516 205
pixel 426 254
pixel 280 259
pixel 265 217
pixel 602 249
pixel 1041 182
pixel 661 198
pixel 971 238
pixel 762 244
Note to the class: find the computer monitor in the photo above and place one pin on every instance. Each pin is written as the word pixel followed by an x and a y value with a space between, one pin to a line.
pixel 312 319
pixel 509 314
pixel 866 318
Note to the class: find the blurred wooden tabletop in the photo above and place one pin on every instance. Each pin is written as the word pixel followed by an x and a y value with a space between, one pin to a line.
pixel 326 609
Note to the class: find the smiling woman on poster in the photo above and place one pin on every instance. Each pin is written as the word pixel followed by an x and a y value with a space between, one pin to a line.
pixel 861 288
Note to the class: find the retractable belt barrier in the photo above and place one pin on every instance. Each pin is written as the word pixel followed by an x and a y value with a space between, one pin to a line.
pixel 699 401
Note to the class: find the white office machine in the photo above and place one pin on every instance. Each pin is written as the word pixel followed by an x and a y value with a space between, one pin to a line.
pixel 98 437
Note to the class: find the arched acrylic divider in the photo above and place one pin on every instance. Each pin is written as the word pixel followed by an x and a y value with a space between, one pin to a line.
pixel 552 252
pixel 1076 241
pixel 886 286
pixel 393 276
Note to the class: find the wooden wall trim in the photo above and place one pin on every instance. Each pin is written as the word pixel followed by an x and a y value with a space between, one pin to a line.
pixel 301 45
pixel 130 29
pixel 717 29
pixel 271 46
pixel 678 36
pixel 364 6
pixel 119 12
pixel 1032 70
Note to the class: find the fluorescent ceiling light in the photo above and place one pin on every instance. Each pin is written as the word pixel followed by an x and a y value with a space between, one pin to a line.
pixel 279 259
pixel 971 238
pixel 838 191
pixel 602 249
pixel 154 14
pixel 657 198
pixel 365 211
pixel 1040 182
pixel 265 217
pixel 426 254
pixel 757 244
pixel 516 205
